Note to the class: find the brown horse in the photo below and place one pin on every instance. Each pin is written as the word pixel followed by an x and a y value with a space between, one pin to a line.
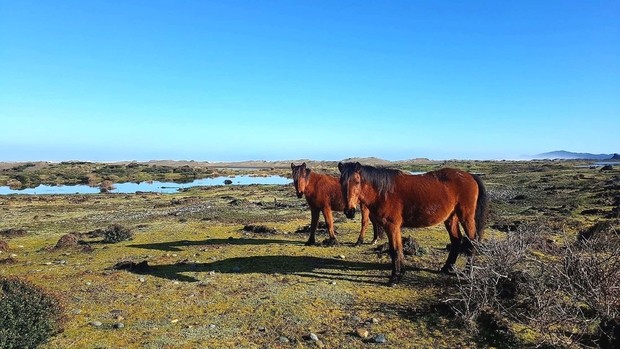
pixel 323 194
pixel 396 200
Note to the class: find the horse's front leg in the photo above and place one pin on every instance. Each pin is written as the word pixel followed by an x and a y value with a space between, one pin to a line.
pixel 396 252
pixel 329 220
pixel 314 221
pixel 365 219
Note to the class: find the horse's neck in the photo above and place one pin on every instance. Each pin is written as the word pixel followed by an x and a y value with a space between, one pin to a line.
pixel 369 195
pixel 313 180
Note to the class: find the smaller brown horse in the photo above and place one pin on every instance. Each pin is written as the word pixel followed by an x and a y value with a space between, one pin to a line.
pixel 323 194
pixel 396 199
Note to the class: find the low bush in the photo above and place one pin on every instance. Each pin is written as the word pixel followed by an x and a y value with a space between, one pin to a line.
pixel 556 294
pixel 116 233
pixel 28 314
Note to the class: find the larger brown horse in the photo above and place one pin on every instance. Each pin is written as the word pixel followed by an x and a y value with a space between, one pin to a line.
pixel 396 200
pixel 323 194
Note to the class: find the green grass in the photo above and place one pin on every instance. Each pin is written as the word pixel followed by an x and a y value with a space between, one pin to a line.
pixel 213 285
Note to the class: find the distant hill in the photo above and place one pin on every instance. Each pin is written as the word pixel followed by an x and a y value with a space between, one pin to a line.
pixel 562 154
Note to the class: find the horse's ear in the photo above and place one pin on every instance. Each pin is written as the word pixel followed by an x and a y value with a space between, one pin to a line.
pixel 358 167
pixel 340 166
pixel 292 166
pixel 303 166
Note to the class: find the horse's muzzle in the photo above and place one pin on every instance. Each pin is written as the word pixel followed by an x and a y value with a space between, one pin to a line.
pixel 349 212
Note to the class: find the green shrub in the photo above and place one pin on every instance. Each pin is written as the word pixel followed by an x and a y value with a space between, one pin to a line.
pixel 28 314
pixel 116 233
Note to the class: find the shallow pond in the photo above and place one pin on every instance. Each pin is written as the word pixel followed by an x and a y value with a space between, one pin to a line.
pixel 154 186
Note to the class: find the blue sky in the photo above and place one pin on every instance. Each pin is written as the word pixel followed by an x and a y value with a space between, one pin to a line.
pixel 325 80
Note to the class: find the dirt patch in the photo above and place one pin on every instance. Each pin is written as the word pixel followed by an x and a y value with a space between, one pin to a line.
pixel 259 229
pixel 13 232
pixel 410 247
pixel 67 241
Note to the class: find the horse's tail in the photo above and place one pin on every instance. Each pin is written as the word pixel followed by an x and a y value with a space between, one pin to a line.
pixel 482 207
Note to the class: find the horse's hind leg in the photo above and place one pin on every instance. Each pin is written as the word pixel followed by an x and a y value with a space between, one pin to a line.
pixel 468 221
pixel 329 220
pixel 314 221
pixel 452 225
pixel 378 231
pixel 396 252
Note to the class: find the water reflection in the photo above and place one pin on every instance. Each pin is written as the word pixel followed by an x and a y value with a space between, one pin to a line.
pixel 154 186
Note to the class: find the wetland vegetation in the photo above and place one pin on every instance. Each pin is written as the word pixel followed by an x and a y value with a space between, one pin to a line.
pixel 226 266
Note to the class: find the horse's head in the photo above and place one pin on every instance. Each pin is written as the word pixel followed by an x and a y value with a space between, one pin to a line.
pixel 301 175
pixel 351 185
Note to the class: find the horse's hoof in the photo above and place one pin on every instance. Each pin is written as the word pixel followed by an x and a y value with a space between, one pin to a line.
pixel 310 243
pixel 359 243
pixel 447 269
pixel 330 242
pixel 393 282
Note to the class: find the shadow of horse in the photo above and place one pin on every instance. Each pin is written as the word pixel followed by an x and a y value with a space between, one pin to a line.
pixel 305 266
pixel 181 244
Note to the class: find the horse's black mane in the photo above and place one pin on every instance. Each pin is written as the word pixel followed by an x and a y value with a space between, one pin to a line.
pixel 381 178
pixel 297 172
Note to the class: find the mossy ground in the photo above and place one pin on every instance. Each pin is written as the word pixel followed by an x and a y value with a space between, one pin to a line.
pixel 213 285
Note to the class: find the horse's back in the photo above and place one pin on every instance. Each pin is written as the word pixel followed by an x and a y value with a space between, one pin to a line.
pixel 327 192
pixel 430 198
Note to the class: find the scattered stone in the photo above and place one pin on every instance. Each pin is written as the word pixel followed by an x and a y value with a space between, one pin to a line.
pixel 118 325
pixel 374 320
pixel 262 329
pixel 142 279
pixel 341 256
pixel 332 283
pixel 313 337
pixel 356 319
pixel 212 326
pixel 379 339
pixel 174 321
pixel 96 323
pixel 362 332
pixel 76 311
pixel 283 339
pixel 227 181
